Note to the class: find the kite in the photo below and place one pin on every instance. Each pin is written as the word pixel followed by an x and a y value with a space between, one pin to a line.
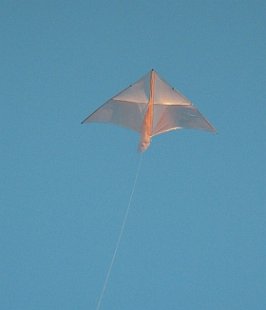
pixel 151 107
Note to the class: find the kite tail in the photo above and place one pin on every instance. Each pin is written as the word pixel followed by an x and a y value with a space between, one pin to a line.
pixel 144 142
pixel 146 130
pixel 119 237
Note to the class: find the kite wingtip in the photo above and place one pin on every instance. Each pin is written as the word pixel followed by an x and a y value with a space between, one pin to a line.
pixel 83 121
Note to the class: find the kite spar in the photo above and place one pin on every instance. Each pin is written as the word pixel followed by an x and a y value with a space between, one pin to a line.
pixel 146 128
pixel 151 107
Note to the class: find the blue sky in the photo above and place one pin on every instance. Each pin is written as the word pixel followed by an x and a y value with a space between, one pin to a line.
pixel 195 236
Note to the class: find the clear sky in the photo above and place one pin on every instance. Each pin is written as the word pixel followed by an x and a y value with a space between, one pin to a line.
pixel 195 237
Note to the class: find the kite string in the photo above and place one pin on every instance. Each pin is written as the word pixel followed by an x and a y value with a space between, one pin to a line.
pixel 120 235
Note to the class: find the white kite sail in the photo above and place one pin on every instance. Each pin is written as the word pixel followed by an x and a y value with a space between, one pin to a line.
pixel 150 106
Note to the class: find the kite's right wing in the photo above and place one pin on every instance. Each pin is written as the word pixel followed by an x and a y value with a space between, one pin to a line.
pixel 170 117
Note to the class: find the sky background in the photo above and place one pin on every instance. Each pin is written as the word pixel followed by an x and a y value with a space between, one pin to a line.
pixel 195 237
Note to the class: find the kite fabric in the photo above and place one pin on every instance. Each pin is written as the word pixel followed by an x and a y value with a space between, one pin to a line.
pixel 150 106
